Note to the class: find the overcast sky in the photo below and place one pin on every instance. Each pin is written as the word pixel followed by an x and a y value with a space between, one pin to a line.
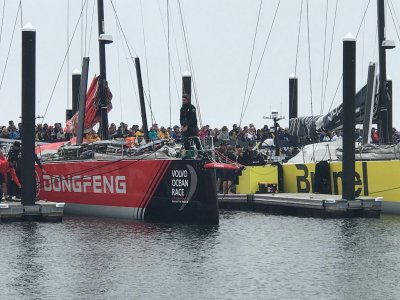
pixel 220 35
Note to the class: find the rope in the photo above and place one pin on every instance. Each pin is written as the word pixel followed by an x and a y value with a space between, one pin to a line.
pixel 323 61
pixel 190 64
pixel 145 57
pixel 394 18
pixel 9 48
pixel 166 41
pixel 251 60
pixel 309 60
pixel 262 56
pixel 2 20
pixel 169 69
pixel 298 37
pixel 63 62
pixel 330 56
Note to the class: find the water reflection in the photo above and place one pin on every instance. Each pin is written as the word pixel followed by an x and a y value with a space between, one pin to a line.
pixel 247 256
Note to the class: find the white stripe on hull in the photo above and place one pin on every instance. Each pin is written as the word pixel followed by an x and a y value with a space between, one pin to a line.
pixel 118 212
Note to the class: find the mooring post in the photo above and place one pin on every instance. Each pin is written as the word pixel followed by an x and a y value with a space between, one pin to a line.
pixel 187 84
pixel 28 99
pixel 349 95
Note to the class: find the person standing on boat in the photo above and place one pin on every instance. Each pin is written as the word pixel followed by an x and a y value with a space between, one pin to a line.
pixel 188 119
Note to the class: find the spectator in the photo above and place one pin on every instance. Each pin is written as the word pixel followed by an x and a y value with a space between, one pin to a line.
pixel 251 157
pixel 163 134
pixel 152 134
pixel 374 136
pixel 224 134
pixel 112 131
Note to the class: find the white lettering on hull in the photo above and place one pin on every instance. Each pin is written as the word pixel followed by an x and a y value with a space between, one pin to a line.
pixel 87 184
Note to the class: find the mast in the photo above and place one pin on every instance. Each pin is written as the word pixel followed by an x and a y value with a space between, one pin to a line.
pixel 384 126
pixel 103 40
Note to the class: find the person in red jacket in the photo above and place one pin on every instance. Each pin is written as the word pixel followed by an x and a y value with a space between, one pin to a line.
pixel 7 167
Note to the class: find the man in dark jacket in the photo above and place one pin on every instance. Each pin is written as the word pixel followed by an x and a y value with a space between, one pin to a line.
pixel 251 157
pixel 188 119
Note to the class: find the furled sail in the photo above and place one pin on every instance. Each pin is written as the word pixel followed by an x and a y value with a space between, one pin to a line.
pixel 307 126
pixel 92 111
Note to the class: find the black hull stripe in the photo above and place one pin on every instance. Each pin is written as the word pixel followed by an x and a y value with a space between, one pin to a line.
pixel 142 205
pixel 163 170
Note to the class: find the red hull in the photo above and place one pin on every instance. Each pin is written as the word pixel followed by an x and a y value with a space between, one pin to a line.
pixel 154 190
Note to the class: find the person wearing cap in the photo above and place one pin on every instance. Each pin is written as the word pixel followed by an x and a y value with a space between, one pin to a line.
pixel 188 120
pixel 176 133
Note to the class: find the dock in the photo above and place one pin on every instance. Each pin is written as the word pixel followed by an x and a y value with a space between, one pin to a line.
pixel 42 211
pixel 302 204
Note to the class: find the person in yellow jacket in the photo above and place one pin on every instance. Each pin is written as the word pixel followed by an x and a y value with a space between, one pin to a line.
pixel 163 133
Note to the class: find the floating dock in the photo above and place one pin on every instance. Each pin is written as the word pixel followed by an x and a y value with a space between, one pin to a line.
pixel 307 205
pixel 41 211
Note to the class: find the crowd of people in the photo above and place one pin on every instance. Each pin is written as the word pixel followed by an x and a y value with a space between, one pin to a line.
pixel 230 141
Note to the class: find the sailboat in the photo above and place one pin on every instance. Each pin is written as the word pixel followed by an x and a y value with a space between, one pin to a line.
pixel 376 175
pixel 110 179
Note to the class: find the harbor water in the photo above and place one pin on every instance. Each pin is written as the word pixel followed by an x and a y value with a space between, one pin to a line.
pixel 247 256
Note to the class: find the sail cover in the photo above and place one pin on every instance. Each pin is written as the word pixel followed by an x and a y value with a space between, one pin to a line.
pixel 92 111
pixel 307 126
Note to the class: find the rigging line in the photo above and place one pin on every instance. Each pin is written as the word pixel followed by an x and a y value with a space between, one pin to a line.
pixel 323 61
pixel 20 6
pixel 191 66
pixel 176 47
pixel 394 21
pixel 129 56
pixel 65 57
pixel 145 53
pixel 330 55
pixel 82 32
pixel 119 76
pixel 169 69
pixel 337 89
pixel 362 67
pixel 122 31
pixel 172 66
pixel 309 59
pixel 341 77
pixel 298 38
pixel 251 60
pixel 129 47
pixel 9 48
pixel 179 64
pixel 91 29
pixel 68 54
pixel 86 25
pixel 395 15
pixel 190 63
pixel 362 20
pixel 262 57
pixel 2 20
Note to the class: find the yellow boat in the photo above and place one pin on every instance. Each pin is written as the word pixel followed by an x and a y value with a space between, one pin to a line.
pixel 372 178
